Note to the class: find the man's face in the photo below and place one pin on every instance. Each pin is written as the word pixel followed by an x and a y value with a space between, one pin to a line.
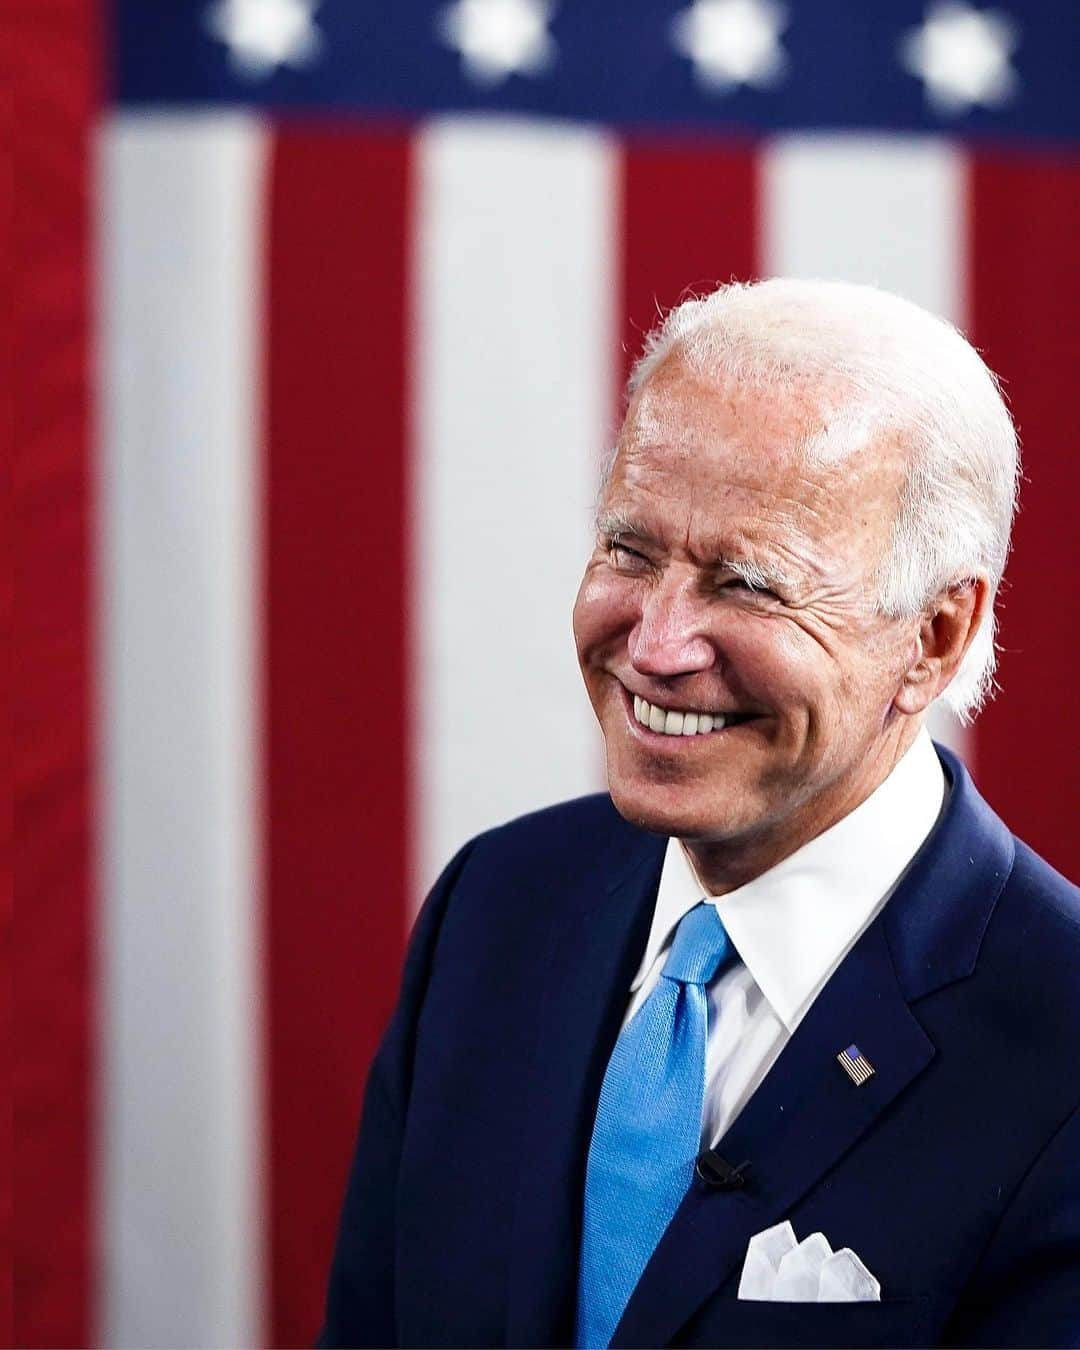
pixel 799 673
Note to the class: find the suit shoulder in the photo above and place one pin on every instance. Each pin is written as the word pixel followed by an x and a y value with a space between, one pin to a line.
pixel 1034 947
pixel 571 826
pixel 1047 897
pixel 518 876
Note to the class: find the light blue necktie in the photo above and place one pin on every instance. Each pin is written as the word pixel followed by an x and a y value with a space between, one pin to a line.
pixel 648 1126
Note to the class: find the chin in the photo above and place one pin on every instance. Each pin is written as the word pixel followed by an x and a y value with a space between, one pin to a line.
pixel 669 809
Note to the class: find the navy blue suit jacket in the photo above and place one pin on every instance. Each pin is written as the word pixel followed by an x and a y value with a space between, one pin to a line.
pixel 954 1172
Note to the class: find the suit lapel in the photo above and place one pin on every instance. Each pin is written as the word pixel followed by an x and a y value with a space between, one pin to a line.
pixel 805 1115
pixel 581 999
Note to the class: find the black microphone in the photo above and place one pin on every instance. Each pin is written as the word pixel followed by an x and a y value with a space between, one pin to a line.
pixel 717 1174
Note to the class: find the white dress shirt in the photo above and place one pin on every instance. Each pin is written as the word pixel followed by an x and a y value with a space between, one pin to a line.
pixel 792 926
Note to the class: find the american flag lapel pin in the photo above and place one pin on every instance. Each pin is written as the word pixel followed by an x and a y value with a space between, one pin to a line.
pixel 855 1064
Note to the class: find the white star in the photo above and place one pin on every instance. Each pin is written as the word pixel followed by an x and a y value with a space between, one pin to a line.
pixel 732 42
pixel 962 56
pixel 264 34
pixel 497 38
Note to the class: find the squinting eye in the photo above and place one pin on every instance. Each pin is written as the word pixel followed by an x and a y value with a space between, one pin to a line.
pixel 624 557
pixel 741 584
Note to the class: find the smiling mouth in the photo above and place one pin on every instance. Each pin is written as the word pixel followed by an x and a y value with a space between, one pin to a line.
pixel 680 722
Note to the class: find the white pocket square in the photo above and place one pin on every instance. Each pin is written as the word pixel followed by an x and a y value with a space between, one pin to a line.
pixel 779 1269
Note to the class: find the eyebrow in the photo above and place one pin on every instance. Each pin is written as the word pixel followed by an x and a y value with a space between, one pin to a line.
pixel 618 522
pixel 759 576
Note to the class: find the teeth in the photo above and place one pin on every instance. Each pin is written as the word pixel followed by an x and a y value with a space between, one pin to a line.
pixel 671 723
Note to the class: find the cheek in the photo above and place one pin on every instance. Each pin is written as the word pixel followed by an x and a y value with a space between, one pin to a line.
pixel 603 613
pixel 775 661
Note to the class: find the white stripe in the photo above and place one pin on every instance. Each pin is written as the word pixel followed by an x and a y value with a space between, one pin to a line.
pixel 888 211
pixel 179 1205
pixel 515 401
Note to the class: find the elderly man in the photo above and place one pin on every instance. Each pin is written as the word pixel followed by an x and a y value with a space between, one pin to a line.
pixel 777 1044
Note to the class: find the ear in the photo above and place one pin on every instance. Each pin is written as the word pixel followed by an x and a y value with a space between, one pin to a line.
pixel 945 634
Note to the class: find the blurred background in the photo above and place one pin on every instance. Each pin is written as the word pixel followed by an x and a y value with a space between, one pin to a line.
pixel 324 313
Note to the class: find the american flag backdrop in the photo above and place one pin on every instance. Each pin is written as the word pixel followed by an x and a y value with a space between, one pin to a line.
pixel 326 307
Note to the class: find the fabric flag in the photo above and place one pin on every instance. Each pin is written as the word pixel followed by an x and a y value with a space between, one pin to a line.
pixel 330 308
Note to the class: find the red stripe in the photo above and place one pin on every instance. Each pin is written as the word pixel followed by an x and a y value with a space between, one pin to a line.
pixel 7 690
pixel 1025 317
pixel 52 1002
pixel 337 621
pixel 689 216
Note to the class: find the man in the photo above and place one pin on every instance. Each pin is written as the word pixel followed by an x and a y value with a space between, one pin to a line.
pixel 793 971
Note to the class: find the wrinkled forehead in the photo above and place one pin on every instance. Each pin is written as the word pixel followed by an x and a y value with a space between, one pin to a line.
pixel 798 414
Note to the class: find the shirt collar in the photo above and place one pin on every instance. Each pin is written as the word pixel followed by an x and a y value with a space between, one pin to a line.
pixel 794 924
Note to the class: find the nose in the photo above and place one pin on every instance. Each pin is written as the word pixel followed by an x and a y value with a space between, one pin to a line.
pixel 671 636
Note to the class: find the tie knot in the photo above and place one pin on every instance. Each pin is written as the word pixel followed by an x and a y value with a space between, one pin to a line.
pixel 700 948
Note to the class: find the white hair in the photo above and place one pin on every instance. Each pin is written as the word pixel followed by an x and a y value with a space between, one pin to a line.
pixel 879 366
